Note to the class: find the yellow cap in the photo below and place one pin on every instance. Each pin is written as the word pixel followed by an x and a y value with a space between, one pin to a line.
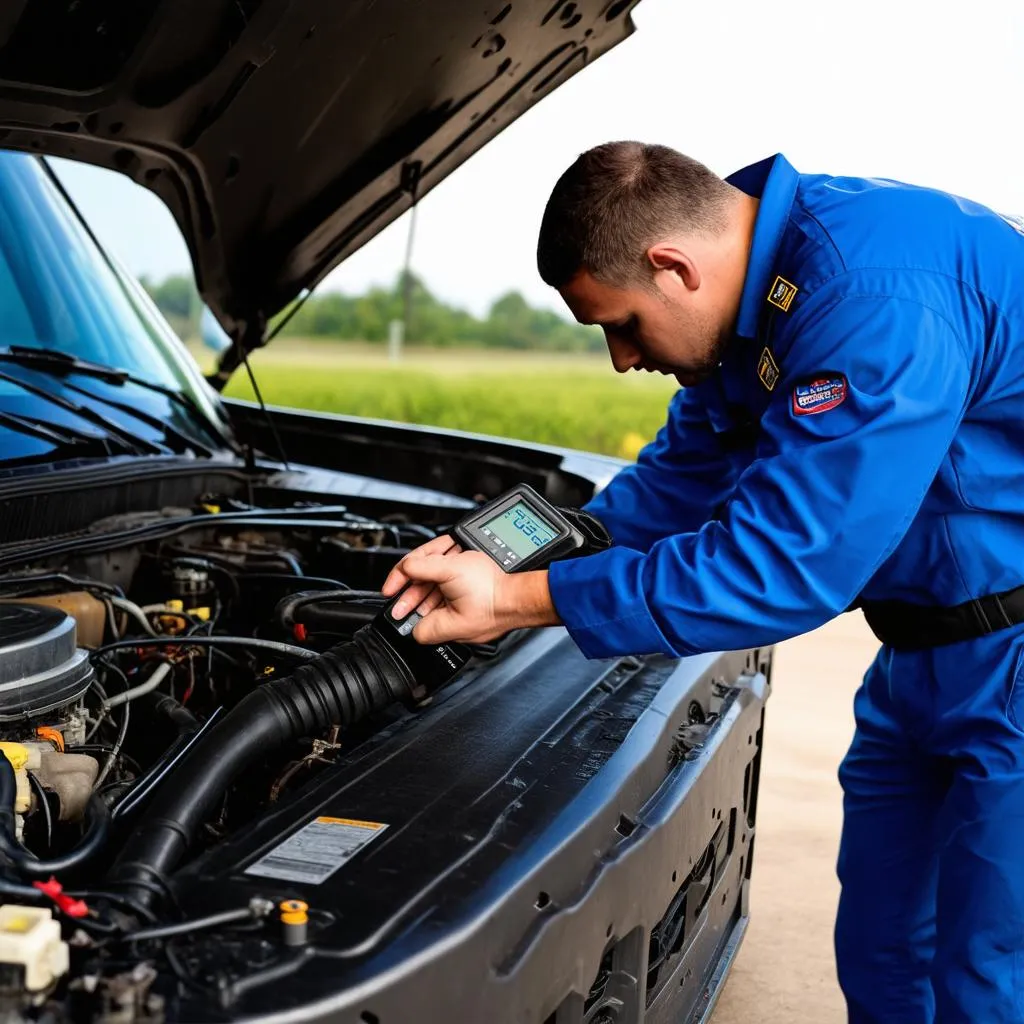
pixel 212 509
pixel 18 925
pixel 294 912
pixel 203 614
pixel 16 753
pixel 175 605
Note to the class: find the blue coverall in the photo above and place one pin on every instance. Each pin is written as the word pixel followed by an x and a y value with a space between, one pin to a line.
pixel 863 437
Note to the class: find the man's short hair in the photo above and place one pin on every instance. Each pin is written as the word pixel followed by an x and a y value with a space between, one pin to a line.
pixel 617 200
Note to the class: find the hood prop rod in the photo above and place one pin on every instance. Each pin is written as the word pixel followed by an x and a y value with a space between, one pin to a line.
pixel 250 336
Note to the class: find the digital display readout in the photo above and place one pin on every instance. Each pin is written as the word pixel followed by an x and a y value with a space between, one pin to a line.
pixel 518 531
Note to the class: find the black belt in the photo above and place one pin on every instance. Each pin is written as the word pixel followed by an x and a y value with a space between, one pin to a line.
pixel 914 626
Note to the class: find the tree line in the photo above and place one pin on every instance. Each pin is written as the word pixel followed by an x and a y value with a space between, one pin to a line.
pixel 510 323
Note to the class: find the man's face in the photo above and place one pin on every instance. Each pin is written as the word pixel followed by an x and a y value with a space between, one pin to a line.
pixel 667 327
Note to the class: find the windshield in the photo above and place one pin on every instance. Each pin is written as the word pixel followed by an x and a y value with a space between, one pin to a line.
pixel 58 292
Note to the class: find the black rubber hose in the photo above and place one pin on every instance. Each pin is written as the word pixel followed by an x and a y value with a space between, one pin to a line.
pixel 97 815
pixel 166 931
pixel 144 787
pixel 342 686
pixel 322 612
pixel 20 892
pixel 337 619
pixel 183 719
pixel 285 614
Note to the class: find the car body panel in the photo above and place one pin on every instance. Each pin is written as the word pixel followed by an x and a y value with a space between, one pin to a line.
pixel 524 820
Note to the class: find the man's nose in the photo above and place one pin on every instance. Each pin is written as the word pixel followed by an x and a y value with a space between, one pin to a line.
pixel 624 355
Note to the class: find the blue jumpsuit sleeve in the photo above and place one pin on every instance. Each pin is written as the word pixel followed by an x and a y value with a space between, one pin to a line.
pixel 676 483
pixel 826 500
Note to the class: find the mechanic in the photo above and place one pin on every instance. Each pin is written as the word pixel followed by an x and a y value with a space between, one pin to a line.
pixel 849 432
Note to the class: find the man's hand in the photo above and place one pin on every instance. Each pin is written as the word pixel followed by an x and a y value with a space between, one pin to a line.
pixel 464 596
pixel 424 596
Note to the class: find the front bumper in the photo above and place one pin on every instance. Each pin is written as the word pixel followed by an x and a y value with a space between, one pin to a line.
pixel 567 842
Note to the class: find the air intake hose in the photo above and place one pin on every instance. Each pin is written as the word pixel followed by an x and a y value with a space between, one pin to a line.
pixel 340 687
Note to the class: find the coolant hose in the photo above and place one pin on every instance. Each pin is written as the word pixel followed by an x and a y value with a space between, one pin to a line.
pixel 97 815
pixel 179 715
pixel 189 734
pixel 156 677
pixel 339 687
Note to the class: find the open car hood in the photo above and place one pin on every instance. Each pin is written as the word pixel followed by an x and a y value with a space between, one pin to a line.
pixel 283 134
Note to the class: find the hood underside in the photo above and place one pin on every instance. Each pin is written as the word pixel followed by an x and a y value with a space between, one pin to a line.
pixel 283 134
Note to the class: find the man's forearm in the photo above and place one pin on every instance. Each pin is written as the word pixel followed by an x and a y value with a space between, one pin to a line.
pixel 524 600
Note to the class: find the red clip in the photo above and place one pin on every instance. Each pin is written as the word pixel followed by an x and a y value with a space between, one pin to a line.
pixel 52 888
pixel 72 907
pixel 66 904
pixel 299 632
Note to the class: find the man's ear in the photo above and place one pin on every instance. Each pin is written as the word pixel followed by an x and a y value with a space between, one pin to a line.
pixel 667 257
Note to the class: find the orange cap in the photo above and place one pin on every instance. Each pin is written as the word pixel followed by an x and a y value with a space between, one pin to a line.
pixel 294 912
pixel 46 732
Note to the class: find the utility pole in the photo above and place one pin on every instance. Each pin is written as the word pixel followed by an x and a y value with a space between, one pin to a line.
pixel 399 331
pixel 395 330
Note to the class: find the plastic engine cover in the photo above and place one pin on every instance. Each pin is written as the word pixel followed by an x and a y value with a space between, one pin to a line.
pixel 41 665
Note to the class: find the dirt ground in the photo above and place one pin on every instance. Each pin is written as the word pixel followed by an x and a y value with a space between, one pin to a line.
pixel 785 970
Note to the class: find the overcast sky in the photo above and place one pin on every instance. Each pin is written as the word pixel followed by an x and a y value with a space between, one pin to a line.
pixel 923 92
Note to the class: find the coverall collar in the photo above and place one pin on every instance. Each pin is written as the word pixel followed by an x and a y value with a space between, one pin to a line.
pixel 774 181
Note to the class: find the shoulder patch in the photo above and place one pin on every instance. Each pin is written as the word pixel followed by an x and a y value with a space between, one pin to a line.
pixel 767 370
pixel 781 293
pixel 819 393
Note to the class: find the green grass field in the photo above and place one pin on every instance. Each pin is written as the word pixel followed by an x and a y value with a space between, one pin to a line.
pixel 572 400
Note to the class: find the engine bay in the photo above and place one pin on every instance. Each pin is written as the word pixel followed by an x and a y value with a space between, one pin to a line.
pixel 225 796
pixel 116 665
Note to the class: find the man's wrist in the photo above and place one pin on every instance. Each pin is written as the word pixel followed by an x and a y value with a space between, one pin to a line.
pixel 524 600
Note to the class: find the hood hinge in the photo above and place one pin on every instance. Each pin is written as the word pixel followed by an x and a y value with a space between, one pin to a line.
pixel 249 336
pixel 412 171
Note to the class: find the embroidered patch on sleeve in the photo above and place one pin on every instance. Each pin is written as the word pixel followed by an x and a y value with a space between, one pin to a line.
pixel 768 370
pixel 819 393
pixel 781 293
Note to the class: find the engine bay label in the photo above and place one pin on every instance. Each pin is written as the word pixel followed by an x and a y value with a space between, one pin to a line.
pixel 317 850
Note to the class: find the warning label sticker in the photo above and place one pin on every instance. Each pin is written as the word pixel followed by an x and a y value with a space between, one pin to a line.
pixel 317 850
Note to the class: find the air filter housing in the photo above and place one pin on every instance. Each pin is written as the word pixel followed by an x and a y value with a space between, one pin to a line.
pixel 41 666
